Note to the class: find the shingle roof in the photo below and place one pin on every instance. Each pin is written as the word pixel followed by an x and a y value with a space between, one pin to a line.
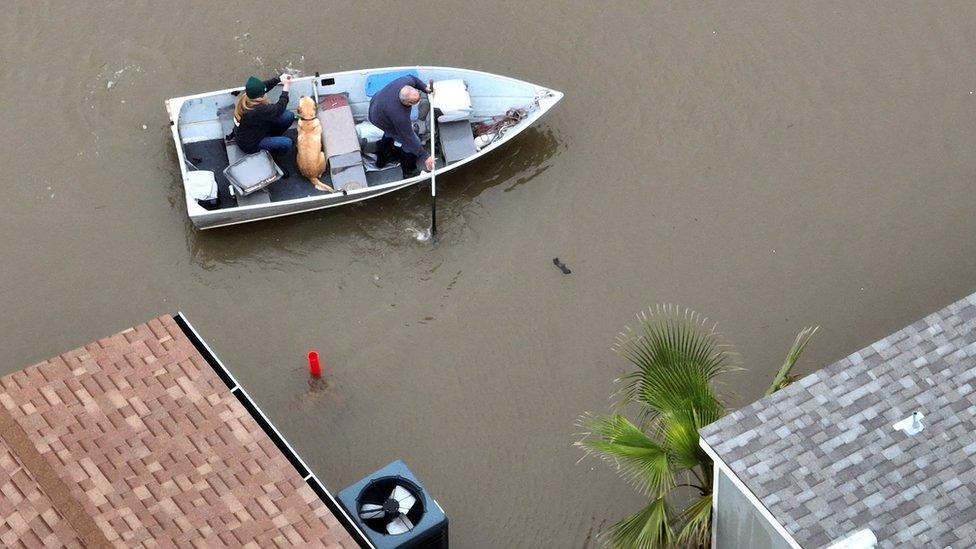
pixel 823 458
pixel 133 439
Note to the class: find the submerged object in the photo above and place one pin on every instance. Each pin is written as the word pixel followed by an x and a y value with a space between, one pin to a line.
pixel 472 100
pixel 561 266
pixel 314 368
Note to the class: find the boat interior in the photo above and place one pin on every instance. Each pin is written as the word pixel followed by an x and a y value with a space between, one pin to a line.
pixel 206 121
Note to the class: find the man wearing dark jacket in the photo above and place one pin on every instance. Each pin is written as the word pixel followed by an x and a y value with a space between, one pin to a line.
pixel 389 110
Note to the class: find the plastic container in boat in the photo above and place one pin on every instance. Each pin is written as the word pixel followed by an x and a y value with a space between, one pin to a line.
pixel 253 172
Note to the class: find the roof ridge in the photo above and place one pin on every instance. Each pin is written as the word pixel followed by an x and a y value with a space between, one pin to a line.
pixel 49 482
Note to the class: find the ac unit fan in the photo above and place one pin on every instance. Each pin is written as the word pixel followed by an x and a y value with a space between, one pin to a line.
pixel 394 511
pixel 390 505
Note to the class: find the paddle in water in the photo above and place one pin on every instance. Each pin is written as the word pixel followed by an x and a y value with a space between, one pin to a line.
pixel 433 156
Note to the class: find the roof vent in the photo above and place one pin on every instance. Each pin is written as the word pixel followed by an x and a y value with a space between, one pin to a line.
pixel 862 539
pixel 910 425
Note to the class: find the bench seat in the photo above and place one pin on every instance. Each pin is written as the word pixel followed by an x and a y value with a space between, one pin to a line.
pixel 341 143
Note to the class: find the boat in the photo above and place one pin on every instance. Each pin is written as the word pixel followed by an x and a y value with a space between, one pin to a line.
pixel 500 109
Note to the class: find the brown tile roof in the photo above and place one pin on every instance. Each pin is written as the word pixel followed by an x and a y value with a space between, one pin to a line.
pixel 28 515
pixel 134 439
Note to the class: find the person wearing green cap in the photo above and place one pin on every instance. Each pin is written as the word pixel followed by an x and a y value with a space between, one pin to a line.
pixel 259 125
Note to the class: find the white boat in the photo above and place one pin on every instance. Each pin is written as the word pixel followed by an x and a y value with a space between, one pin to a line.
pixel 200 123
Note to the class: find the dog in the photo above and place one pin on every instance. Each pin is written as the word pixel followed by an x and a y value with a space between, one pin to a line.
pixel 311 159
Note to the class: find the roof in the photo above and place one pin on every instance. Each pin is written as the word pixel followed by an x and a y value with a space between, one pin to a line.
pixel 822 456
pixel 135 438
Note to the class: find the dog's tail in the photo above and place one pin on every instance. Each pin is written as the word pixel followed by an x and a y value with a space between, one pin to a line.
pixel 321 186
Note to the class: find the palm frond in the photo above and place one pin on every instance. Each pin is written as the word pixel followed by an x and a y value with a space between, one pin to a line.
pixel 697 523
pixel 676 355
pixel 649 528
pixel 782 378
pixel 676 388
pixel 640 460
pixel 679 432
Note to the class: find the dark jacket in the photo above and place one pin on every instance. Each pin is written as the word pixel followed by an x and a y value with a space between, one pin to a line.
pixel 256 123
pixel 387 113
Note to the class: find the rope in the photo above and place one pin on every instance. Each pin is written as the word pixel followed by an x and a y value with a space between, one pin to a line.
pixel 501 124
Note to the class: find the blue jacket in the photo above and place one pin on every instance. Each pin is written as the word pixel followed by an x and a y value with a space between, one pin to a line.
pixel 387 113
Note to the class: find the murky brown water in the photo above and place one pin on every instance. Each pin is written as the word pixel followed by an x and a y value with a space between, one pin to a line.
pixel 772 165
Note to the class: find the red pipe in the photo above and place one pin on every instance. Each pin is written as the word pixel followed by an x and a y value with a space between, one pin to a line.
pixel 313 364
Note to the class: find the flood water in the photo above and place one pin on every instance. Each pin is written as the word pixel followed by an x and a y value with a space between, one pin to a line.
pixel 771 165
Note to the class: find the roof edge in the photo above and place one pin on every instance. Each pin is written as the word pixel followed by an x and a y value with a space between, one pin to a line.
pixel 269 429
pixel 741 486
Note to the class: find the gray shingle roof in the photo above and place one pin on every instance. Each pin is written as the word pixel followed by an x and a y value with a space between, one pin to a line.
pixel 823 458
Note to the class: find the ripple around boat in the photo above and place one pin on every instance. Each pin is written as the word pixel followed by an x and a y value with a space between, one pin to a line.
pixel 200 122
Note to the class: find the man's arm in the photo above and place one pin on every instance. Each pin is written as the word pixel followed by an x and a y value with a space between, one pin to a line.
pixel 418 83
pixel 408 138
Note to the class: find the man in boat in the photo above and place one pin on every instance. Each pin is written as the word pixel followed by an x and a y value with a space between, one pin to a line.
pixel 389 110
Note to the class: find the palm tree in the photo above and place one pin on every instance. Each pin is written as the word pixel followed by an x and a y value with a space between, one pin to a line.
pixel 677 356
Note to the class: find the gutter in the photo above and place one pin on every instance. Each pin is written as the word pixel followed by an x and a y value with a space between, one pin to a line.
pixel 259 416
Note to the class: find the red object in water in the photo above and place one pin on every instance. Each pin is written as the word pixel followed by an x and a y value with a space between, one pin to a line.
pixel 313 364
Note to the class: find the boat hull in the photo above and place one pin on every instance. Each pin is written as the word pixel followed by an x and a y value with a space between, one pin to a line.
pixel 212 219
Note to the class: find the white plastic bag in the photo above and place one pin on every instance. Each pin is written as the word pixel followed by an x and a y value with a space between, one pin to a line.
pixel 201 185
pixel 369 132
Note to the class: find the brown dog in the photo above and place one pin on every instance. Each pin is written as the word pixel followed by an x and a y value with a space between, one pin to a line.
pixel 311 159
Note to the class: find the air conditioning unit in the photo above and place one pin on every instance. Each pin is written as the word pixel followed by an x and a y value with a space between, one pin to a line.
pixel 393 509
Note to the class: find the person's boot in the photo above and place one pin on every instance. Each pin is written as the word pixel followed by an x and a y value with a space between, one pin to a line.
pixel 384 152
pixel 408 163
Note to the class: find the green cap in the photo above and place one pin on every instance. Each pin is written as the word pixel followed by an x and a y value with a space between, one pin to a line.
pixel 254 87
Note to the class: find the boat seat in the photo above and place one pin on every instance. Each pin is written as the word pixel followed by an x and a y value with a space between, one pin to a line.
pixel 234 153
pixel 453 103
pixel 456 140
pixel 341 143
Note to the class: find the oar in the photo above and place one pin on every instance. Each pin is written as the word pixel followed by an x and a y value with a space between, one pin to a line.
pixel 433 171
pixel 315 89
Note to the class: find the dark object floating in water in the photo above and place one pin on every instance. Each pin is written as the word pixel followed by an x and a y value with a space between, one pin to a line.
pixel 562 266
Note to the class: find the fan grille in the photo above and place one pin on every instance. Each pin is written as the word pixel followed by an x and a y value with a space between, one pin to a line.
pixel 378 493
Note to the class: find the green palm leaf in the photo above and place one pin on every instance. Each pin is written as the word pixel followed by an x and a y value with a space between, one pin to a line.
pixel 676 357
pixel 783 377
pixel 649 528
pixel 697 519
pixel 640 460
pixel 679 431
